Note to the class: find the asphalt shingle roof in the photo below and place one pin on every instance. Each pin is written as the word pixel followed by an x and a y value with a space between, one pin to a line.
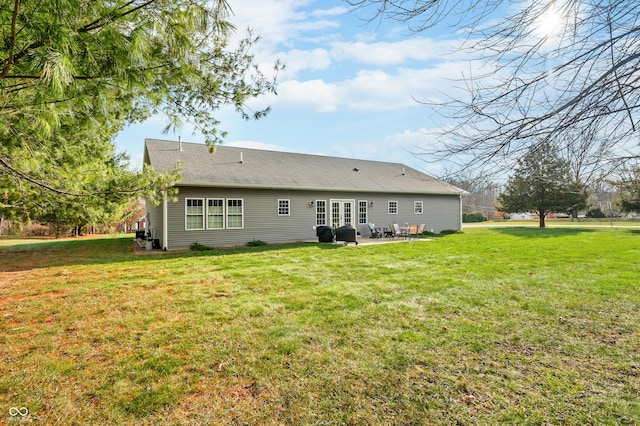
pixel 283 170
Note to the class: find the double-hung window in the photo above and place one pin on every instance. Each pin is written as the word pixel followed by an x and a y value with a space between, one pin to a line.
pixel 418 207
pixel 215 213
pixel 362 212
pixel 235 213
pixel 321 212
pixel 194 213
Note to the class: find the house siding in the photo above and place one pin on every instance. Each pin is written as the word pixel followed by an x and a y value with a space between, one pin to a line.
pixel 154 220
pixel 262 222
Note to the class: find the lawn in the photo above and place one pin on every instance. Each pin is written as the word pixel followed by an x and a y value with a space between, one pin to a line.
pixel 493 326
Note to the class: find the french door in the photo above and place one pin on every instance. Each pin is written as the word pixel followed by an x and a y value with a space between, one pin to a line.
pixel 342 212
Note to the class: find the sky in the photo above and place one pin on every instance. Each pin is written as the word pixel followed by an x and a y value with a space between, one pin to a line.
pixel 351 88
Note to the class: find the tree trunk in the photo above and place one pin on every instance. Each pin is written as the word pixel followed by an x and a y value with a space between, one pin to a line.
pixel 542 216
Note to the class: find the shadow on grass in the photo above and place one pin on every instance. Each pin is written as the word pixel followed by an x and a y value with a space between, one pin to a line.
pixel 110 250
pixel 523 231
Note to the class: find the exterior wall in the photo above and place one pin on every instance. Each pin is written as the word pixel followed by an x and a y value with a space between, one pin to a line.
pixel 261 220
pixel 154 222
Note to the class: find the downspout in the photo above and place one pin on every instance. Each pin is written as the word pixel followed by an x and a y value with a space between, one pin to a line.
pixel 460 215
pixel 165 224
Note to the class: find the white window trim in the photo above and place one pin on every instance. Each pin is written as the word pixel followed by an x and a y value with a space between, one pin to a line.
pixel 227 212
pixel 416 204
pixel 288 213
pixel 325 213
pixel 389 207
pixel 186 221
pixel 366 212
pixel 224 211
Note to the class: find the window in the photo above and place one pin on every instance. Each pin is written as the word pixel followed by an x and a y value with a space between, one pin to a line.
pixel 321 212
pixel 194 213
pixel 393 207
pixel 362 212
pixel 235 213
pixel 215 213
pixel 283 208
pixel 418 207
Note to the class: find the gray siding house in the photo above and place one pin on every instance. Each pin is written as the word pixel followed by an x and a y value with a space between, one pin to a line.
pixel 237 195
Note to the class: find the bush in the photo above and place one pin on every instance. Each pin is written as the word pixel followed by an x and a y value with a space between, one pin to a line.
pixel 256 243
pixel 449 232
pixel 595 213
pixel 474 217
pixel 200 247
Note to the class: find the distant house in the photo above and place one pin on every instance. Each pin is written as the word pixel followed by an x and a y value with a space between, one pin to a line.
pixel 237 195
pixel 522 216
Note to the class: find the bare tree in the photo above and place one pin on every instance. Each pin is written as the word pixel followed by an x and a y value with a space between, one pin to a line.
pixel 483 194
pixel 565 72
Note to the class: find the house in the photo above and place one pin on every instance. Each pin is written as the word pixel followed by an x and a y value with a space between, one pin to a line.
pixel 237 195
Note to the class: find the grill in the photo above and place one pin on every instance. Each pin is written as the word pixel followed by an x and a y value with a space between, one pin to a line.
pixel 347 233
pixel 325 234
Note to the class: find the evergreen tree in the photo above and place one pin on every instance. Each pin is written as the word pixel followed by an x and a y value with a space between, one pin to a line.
pixel 74 72
pixel 542 184
pixel 629 192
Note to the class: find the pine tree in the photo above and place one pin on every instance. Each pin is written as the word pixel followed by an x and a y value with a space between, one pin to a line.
pixel 542 184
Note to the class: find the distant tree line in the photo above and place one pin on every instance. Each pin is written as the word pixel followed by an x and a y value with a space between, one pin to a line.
pixel 543 183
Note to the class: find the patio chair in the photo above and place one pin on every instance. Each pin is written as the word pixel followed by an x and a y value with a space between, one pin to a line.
pixel 421 229
pixel 413 231
pixel 389 232
pixel 375 233
pixel 399 232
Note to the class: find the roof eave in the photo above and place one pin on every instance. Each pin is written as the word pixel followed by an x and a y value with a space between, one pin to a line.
pixel 301 188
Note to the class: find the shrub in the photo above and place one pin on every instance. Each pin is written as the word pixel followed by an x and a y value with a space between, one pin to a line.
pixel 474 217
pixel 595 213
pixel 200 247
pixel 256 243
pixel 449 232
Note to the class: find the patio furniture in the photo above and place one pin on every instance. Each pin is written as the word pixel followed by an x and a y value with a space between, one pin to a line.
pixel 400 231
pixel 413 231
pixel 375 233
pixel 389 232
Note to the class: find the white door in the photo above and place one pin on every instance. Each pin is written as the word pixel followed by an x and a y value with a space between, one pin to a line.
pixel 341 212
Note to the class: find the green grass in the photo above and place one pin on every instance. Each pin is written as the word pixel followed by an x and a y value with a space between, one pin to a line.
pixel 493 326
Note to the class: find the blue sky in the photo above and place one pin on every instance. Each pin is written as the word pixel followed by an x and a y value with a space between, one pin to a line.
pixel 349 88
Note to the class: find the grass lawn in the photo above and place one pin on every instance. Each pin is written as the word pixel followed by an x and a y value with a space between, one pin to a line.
pixel 493 326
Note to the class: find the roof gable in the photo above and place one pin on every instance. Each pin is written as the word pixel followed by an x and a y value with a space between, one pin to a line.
pixel 253 168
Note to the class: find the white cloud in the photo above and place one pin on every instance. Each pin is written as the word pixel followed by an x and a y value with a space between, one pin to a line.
pixel 370 90
pixel 333 11
pixel 395 148
pixel 318 93
pixel 297 60
pixel 394 53
pixel 278 22
pixel 401 147
pixel 315 95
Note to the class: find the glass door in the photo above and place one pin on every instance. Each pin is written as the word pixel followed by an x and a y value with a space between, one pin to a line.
pixel 341 212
